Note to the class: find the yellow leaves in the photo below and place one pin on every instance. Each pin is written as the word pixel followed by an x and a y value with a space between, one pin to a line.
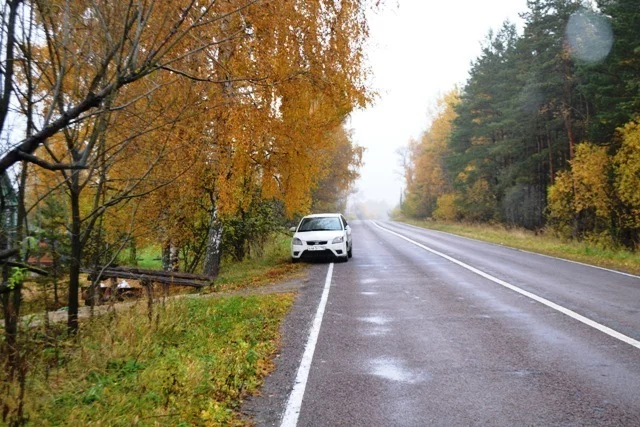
pixel 600 186
pixel 468 170
pixel 560 204
pixel 585 188
pixel 426 178
pixel 627 161
pixel 340 169
pixel 480 140
pixel 294 69
pixel 590 171
pixel 446 209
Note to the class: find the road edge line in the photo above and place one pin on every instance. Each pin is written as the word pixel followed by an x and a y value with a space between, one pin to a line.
pixel 602 328
pixel 294 403
pixel 500 245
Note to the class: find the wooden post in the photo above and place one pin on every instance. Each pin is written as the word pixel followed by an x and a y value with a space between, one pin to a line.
pixel 146 283
pixel 113 288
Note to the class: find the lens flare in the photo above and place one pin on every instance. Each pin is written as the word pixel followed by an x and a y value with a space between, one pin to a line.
pixel 589 36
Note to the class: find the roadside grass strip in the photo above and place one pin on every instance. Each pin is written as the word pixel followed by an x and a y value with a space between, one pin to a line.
pixel 581 252
pixel 294 404
pixel 561 309
pixel 191 365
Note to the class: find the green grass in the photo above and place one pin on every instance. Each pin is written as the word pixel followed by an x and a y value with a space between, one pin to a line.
pixel 274 265
pixel 543 243
pixel 192 365
pixel 150 257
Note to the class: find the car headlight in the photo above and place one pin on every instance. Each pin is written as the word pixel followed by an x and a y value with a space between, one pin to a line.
pixel 297 241
pixel 339 239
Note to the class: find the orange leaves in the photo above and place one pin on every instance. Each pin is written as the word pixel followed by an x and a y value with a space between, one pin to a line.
pixel 427 178
pixel 286 75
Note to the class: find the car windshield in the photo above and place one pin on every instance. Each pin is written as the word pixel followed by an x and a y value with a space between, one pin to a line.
pixel 320 224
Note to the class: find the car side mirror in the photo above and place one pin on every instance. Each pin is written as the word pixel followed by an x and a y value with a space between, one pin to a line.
pixel 292 229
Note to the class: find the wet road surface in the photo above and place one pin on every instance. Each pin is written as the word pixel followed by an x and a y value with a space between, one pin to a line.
pixel 410 338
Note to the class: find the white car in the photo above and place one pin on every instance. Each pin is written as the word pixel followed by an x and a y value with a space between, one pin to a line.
pixel 322 235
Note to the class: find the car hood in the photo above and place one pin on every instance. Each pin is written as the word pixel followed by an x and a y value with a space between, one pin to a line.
pixel 319 235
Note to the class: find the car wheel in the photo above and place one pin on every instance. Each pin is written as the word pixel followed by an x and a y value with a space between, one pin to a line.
pixel 350 252
pixel 294 260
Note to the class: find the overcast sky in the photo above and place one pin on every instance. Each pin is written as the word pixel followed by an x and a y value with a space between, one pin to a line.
pixel 419 49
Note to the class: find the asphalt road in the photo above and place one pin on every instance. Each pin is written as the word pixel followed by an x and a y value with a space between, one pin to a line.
pixel 410 338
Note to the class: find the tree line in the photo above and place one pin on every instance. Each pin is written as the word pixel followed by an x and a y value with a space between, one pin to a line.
pixel 199 126
pixel 545 131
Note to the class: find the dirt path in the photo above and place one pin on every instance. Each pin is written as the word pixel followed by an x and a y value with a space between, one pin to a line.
pixel 289 285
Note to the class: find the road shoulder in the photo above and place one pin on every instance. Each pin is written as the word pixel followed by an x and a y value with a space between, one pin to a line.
pixel 267 408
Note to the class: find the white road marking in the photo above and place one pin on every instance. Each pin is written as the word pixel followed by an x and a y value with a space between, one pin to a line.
pixel 294 404
pixel 524 250
pixel 561 309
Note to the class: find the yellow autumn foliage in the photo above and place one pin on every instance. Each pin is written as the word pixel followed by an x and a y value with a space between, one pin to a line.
pixel 627 161
pixel 283 78
pixel 583 190
pixel 598 197
pixel 446 209
pixel 590 171
pixel 560 204
pixel 425 174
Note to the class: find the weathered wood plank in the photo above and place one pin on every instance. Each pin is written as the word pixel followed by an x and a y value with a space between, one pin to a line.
pixel 149 275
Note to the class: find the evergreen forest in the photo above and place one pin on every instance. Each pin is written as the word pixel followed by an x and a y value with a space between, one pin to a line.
pixel 545 133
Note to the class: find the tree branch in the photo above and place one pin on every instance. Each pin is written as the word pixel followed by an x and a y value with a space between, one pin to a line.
pixel 8 253
pixel 207 80
pixel 47 165
pixel 27 267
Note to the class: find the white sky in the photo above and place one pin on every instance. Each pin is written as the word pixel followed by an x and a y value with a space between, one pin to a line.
pixel 419 49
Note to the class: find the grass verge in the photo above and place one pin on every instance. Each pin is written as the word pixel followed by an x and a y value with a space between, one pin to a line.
pixel 619 259
pixel 191 365
pixel 274 265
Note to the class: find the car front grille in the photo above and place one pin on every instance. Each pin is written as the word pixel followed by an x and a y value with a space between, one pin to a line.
pixel 316 242
pixel 311 255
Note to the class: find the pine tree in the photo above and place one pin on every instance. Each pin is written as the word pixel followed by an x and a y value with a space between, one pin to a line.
pixel 613 85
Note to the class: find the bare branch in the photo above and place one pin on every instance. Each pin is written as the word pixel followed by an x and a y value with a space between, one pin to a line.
pixel 92 99
pixel 219 17
pixel 7 74
pixel 28 267
pixel 207 80
pixel 47 165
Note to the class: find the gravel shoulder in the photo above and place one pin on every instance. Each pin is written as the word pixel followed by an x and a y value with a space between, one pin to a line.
pixel 267 408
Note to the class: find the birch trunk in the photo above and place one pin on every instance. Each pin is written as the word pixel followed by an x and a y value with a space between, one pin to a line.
pixel 211 266
pixel 170 260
